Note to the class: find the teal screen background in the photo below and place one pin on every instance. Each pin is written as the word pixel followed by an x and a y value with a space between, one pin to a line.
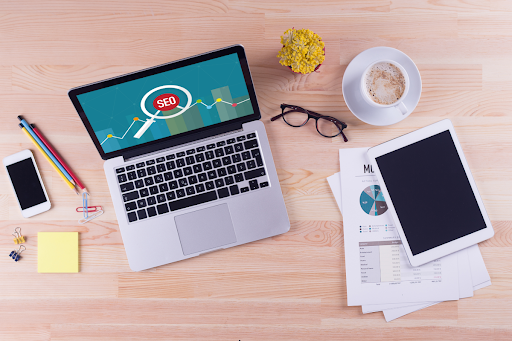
pixel 115 114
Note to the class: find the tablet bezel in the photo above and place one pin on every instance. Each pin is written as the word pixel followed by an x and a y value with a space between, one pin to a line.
pixel 447 248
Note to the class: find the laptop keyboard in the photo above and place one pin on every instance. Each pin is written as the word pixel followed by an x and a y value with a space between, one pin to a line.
pixel 191 177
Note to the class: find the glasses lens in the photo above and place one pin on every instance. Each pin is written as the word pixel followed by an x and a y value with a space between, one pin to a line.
pixel 295 118
pixel 326 127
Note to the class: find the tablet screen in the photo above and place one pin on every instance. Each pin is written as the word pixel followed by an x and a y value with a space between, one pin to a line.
pixel 431 193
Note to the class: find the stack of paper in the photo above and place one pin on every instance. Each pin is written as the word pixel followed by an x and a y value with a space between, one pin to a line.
pixel 379 277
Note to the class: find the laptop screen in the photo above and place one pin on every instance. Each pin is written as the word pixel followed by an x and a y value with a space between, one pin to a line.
pixel 168 103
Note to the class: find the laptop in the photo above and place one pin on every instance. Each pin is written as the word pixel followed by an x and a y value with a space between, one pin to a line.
pixel 188 162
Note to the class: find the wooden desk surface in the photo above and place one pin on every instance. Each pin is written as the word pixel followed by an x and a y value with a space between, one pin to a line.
pixel 290 287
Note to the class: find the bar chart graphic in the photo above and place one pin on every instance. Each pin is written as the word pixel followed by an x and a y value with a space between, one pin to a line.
pixel 197 96
pixel 201 114
pixel 198 115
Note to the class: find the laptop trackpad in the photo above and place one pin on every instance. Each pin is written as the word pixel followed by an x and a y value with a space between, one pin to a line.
pixel 205 229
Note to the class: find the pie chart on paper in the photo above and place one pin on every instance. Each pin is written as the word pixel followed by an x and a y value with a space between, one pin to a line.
pixel 372 201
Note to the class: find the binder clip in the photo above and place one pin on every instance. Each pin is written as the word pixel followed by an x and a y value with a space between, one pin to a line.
pixel 86 209
pixel 15 254
pixel 18 238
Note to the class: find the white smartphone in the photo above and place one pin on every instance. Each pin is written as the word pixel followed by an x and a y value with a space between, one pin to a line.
pixel 27 183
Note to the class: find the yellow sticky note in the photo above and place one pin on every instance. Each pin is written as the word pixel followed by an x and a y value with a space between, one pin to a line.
pixel 57 252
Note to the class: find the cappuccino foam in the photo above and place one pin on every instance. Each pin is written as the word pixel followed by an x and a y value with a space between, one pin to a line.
pixel 384 83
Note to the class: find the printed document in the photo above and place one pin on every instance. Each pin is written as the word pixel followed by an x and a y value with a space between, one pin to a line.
pixel 480 279
pixel 378 271
pixel 477 274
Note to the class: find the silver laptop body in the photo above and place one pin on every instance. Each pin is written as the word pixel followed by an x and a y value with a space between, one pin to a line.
pixel 180 198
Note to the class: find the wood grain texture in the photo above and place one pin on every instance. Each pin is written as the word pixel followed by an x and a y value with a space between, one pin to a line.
pixel 289 287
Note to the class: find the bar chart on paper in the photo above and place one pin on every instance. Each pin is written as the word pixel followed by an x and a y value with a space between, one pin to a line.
pixel 386 261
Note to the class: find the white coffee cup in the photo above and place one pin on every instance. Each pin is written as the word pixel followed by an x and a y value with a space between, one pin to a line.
pixel 399 105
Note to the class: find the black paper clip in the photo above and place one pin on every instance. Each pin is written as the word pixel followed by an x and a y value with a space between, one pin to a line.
pixel 15 254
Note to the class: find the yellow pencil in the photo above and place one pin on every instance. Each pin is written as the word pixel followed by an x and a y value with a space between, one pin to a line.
pixel 49 160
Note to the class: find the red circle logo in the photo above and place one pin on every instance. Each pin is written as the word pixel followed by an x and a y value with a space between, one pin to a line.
pixel 166 102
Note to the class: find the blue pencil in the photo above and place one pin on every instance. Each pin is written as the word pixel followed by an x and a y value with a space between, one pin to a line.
pixel 41 144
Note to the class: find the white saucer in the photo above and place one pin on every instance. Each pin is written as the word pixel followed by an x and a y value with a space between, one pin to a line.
pixel 354 99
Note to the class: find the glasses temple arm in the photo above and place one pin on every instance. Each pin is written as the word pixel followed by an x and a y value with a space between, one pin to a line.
pixel 344 137
pixel 343 126
pixel 276 117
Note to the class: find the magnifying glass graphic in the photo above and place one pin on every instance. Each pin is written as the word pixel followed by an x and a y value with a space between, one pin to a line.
pixel 152 118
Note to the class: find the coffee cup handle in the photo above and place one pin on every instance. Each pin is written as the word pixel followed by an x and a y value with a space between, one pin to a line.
pixel 402 108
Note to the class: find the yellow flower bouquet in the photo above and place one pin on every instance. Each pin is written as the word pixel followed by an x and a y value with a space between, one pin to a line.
pixel 303 51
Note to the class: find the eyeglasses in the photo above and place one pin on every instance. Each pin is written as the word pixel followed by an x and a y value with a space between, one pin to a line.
pixel 326 126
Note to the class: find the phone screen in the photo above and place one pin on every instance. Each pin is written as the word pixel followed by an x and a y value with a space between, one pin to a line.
pixel 26 183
